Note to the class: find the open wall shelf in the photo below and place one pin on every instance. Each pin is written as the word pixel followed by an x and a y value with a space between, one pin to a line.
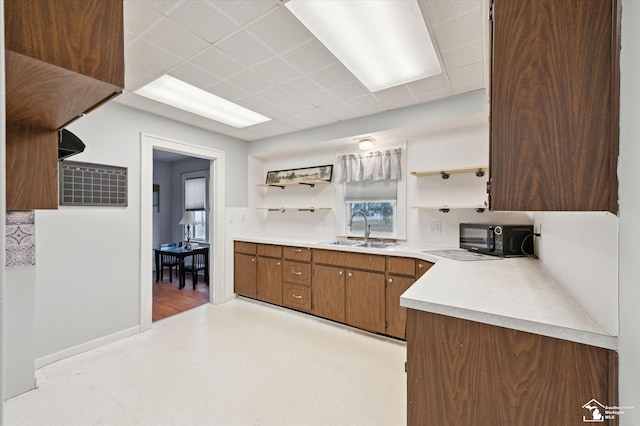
pixel 282 185
pixel 445 209
pixel 298 209
pixel 445 173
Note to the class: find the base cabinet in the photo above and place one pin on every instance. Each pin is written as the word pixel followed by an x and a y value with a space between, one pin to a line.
pixel 396 315
pixel 462 373
pixel 328 287
pixel 269 281
pixel 365 300
pixel 245 273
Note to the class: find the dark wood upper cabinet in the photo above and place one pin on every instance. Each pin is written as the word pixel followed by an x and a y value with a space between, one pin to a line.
pixel 63 58
pixel 554 105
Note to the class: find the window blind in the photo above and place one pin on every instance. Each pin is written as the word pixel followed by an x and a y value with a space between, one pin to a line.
pixel 380 190
pixel 195 194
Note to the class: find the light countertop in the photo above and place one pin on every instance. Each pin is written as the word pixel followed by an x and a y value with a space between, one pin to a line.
pixel 517 293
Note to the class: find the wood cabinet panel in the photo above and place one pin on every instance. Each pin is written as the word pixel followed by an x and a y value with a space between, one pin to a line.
pixel 396 315
pixel 302 254
pixel 422 266
pixel 401 266
pixel 328 292
pixel 461 372
pixel 242 247
pixel 349 259
pixel 32 168
pixel 245 274
pixel 297 272
pixel 83 36
pixel 269 280
pixel 365 300
pixel 554 105
pixel 296 296
pixel 268 250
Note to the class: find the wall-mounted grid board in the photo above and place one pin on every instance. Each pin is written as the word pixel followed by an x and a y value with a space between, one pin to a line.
pixel 87 184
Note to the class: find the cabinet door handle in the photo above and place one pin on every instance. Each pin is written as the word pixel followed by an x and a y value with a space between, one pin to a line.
pixel 296 273
pixel 278 263
pixel 350 274
pixel 253 260
pixel 297 297
pixel 420 265
pixel 297 250
pixel 340 273
pixel 390 280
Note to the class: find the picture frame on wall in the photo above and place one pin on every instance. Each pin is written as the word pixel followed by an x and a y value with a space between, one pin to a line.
pixel 301 175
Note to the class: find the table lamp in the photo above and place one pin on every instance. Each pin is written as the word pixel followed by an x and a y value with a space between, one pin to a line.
pixel 188 218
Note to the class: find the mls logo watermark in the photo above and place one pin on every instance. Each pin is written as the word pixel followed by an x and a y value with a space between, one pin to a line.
pixel 595 412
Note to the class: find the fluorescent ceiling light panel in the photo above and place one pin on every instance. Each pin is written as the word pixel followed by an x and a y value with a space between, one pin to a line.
pixel 384 43
pixel 171 91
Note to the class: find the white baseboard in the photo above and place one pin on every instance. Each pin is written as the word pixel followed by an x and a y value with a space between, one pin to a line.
pixel 84 347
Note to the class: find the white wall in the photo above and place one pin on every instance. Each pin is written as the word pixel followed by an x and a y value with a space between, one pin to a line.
pixel 629 231
pixel 162 215
pixel 88 270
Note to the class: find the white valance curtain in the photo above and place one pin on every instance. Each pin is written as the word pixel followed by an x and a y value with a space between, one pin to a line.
pixel 370 166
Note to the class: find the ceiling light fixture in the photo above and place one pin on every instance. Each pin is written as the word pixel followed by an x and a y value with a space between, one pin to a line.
pixel 366 143
pixel 383 43
pixel 171 91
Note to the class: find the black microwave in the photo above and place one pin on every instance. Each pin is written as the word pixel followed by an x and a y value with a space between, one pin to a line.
pixel 497 240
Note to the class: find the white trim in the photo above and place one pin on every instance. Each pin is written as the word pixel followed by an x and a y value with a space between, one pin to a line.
pixel 216 218
pixel 87 346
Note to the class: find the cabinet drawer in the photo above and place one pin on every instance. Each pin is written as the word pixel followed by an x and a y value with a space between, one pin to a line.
pixel 302 254
pixel 297 272
pixel 401 266
pixel 242 247
pixel 268 250
pixel 367 262
pixel 296 297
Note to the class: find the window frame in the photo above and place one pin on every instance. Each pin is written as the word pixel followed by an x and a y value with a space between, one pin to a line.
pixel 400 216
pixel 195 175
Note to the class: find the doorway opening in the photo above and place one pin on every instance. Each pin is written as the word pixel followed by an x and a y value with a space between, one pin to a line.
pixel 214 217
pixel 180 195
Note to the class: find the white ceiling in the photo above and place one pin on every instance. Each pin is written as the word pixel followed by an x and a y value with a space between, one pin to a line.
pixel 257 54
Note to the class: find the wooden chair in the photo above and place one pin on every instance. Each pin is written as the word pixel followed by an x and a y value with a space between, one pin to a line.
pixel 168 261
pixel 198 263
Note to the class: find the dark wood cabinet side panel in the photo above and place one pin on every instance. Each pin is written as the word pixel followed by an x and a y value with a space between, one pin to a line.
pixel 362 261
pixel 84 36
pixel 461 372
pixel 553 138
pixel 32 168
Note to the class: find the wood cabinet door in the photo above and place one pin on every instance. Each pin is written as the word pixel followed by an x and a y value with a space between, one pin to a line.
pixel 365 300
pixel 396 314
pixel 328 292
pixel 422 266
pixel 244 275
pixel 554 105
pixel 462 373
pixel 269 280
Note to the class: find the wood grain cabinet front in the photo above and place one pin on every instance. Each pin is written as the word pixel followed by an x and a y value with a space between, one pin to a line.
pixel 244 274
pixel 297 272
pixel 328 292
pixel 554 105
pixel 365 300
pixel 296 296
pixel 462 372
pixel 269 280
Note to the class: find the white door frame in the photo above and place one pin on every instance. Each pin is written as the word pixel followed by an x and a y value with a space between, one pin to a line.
pixel 216 218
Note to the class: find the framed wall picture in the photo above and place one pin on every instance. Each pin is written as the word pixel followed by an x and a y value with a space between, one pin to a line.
pixel 306 174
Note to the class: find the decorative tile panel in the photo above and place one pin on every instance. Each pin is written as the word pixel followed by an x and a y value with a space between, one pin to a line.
pixel 20 239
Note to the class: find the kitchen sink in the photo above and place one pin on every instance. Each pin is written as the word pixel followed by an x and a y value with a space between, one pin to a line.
pixel 349 243
pixel 355 243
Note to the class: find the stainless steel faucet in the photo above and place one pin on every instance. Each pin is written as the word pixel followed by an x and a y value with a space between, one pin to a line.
pixel 367 227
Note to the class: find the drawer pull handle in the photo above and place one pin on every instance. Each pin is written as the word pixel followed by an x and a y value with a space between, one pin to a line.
pixel 297 250
pixel 297 297
pixel 253 260
pixel 350 274
pixel 340 273
pixel 390 280
pixel 420 265
pixel 296 273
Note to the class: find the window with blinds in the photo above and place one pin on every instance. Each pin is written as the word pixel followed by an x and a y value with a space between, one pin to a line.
pixel 377 200
pixel 196 193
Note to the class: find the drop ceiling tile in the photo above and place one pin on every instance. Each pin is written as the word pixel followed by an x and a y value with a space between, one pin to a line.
pixel 316 117
pixel 296 122
pixel 138 17
pixel 272 128
pixel 152 55
pixel 194 75
pixel 337 109
pixel 279 30
pixel 434 95
pixel 245 11
pixel 459 31
pixel 363 105
pixel 227 91
pixel 468 74
pixel 463 55
pixel 332 76
pixel 426 85
pixel 139 102
pixel 442 11
pixel 172 112
pixel 250 81
pixel 245 48
pixel 276 95
pixel 261 106
pixel 395 97
pixel 218 63
pixel 301 87
pixel 309 57
pixel 169 35
pixel 163 6
pixel 139 71
pixel 349 91
pixel 133 84
pixel 321 99
pixel 469 87
pixel 202 19
pixel 295 106
pixel 277 71
pixel 205 123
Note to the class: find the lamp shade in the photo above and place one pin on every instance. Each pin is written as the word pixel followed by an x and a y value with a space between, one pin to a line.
pixel 188 218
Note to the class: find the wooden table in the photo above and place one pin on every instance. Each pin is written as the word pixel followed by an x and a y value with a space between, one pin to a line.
pixel 181 253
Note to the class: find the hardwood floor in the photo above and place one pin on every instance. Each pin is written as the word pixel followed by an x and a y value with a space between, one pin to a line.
pixel 168 300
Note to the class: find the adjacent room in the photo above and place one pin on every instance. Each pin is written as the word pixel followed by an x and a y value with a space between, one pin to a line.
pixel 312 212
